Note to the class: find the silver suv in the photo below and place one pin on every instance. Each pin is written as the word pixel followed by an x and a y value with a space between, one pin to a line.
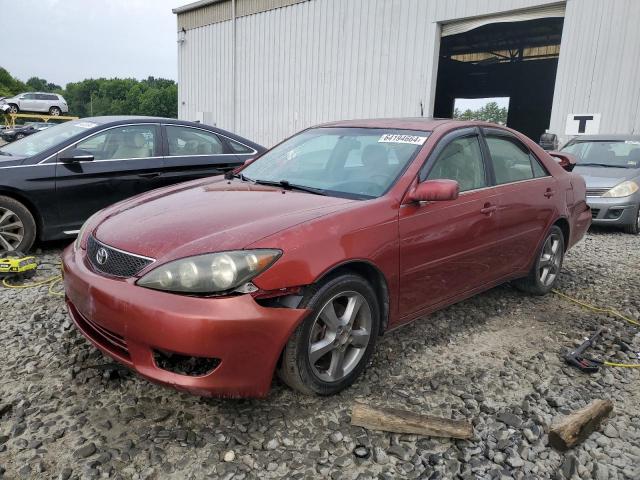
pixel 52 103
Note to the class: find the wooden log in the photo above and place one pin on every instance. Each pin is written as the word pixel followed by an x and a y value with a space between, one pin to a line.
pixel 574 428
pixel 402 421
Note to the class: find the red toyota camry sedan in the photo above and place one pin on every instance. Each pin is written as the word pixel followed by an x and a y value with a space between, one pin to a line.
pixel 297 262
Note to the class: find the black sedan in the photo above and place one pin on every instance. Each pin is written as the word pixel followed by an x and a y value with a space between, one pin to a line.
pixel 21 131
pixel 53 180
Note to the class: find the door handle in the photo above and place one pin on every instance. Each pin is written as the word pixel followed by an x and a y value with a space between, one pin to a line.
pixel 149 175
pixel 488 209
pixel 549 193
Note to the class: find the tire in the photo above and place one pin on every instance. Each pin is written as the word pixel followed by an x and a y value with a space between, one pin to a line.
pixel 17 226
pixel 634 228
pixel 322 376
pixel 55 111
pixel 549 257
pixel 13 108
pixel 19 136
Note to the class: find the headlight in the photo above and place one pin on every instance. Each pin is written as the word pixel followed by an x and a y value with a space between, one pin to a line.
pixel 210 273
pixel 623 189
pixel 78 242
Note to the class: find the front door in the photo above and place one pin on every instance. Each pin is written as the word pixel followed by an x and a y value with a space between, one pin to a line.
pixel 448 248
pixel 126 162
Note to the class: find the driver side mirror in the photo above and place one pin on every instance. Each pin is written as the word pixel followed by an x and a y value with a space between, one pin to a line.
pixel 565 160
pixel 435 191
pixel 75 155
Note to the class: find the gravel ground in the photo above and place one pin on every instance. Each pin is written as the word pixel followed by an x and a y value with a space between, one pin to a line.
pixel 68 412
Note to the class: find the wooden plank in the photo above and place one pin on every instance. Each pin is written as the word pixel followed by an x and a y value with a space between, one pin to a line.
pixel 402 421
pixel 574 428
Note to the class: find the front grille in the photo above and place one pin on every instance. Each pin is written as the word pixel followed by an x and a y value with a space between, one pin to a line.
pixel 595 212
pixel 596 192
pixel 114 262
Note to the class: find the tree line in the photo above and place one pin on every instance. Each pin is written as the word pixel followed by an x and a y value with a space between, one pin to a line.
pixel 491 112
pixel 104 96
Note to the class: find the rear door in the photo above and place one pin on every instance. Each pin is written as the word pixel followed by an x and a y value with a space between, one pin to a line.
pixel 191 153
pixel 42 103
pixel 448 248
pixel 527 193
pixel 127 161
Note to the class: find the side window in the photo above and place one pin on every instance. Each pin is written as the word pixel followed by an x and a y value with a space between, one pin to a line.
pixel 461 160
pixel 29 96
pixel 51 97
pixel 511 160
pixel 538 168
pixel 184 141
pixel 129 142
pixel 41 96
pixel 239 148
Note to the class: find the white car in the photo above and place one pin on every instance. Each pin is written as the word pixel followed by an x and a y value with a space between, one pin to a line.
pixel 51 103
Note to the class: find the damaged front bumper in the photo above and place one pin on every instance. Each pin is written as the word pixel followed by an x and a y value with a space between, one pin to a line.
pixel 232 342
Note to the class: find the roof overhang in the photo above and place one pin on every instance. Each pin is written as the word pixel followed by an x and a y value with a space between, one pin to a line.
pixel 194 6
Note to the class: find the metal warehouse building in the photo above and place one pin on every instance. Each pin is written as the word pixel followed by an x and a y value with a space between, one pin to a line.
pixel 268 68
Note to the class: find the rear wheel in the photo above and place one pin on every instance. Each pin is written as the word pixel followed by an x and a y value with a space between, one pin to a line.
pixel 13 108
pixel 55 111
pixel 332 346
pixel 634 228
pixel 546 268
pixel 19 136
pixel 17 226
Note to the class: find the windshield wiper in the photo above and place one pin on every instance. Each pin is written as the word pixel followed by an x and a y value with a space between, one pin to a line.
pixel 230 175
pixel 291 186
pixel 600 165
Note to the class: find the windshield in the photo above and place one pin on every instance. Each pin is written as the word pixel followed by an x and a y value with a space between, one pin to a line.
pixel 43 139
pixel 618 154
pixel 349 162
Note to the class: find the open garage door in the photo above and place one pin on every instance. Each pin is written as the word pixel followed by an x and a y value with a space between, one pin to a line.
pixel 514 55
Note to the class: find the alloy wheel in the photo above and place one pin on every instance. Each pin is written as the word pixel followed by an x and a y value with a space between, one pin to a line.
pixel 550 259
pixel 11 230
pixel 339 336
pixel 13 109
pixel 55 112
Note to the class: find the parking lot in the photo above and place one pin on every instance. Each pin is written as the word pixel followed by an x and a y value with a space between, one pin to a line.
pixel 69 412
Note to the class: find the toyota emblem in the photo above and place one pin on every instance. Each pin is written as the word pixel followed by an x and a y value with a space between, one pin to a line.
pixel 102 256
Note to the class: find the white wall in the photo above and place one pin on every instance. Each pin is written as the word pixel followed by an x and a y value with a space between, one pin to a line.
pixel 325 60
pixel 599 66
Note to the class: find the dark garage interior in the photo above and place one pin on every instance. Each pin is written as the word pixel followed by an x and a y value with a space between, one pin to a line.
pixel 507 59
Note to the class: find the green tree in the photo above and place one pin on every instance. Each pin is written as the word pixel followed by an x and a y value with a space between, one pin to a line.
pixel 10 86
pixel 491 112
pixel 41 85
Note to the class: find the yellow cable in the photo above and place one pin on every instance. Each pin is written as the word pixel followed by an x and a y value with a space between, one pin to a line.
pixel 597 309
pixel 51 281
pixel 622 365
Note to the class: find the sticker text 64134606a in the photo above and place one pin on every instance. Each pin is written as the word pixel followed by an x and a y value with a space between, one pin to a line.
pixel 397 138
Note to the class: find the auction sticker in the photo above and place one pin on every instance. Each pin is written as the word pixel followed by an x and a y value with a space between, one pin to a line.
pixel 396 138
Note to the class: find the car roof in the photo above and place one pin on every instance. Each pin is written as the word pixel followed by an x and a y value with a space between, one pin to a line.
pixel 416 123
pixel 605 137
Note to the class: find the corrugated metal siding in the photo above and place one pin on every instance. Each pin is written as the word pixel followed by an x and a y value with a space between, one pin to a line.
pixel 324 60
pixel 599 66
pixel 222 11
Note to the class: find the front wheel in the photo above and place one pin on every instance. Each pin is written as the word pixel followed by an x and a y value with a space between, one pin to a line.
pixel 17 226
pixel 332 346
pixel 634 228
pixel 13 108
pixel 546 268
pixel 19 136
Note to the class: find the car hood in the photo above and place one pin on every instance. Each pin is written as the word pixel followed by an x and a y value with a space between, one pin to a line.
pixel 603 177
pixel 208 217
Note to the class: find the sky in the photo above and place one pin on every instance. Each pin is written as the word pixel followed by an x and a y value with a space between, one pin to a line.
pixel 475 103
pixel 70 40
